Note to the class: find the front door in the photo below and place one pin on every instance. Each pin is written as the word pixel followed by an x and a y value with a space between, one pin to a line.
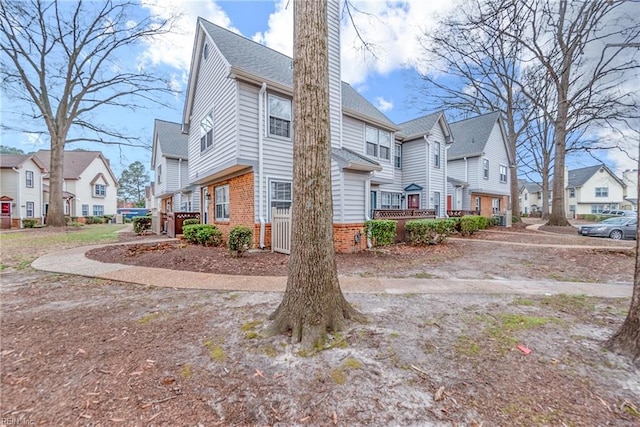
pixel 6 215
pixel 449 204
pixel 413 201
pixel 373 203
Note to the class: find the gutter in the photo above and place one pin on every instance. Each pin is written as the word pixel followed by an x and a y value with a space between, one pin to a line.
pixel 180 183
pixel 261 117
pixel 446 149
pixel 429 190
pixel 19 201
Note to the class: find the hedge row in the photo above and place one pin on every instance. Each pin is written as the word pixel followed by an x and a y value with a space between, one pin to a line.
pixel 202 234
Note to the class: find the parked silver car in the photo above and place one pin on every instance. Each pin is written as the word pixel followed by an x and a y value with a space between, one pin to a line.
pixel 617 228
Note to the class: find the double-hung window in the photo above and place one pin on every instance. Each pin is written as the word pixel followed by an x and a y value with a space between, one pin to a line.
pixel 572 193
pixel 485 168
pixel 436 202
pixel 280 194
pixel 378 143
pixel 29 179
pixel 503 174
pixel 30 209
pixel 98 210
pixel 436 154
pixel 222 203
pixel 100 190
pixel 206 132
pixel 390 200
pixel 85 210
pixel 159 174
pixel 602 191
pixel 397 158
pixel 279 116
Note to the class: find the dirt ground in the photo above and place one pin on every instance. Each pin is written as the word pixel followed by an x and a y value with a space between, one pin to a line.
pixel 78 351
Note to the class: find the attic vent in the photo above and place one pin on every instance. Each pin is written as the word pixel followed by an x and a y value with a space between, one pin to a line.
pixel 205 51
pixel 601 170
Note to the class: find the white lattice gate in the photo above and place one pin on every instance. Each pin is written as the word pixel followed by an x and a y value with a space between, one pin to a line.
pixel 281 230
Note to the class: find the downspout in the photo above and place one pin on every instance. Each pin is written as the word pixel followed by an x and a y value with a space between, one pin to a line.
pixel 446 156
pixel 428 171
pixel 180 183
pixel 466 179
pixel 367 206
pixel 18 203
pixel 41 200
pixel 263 89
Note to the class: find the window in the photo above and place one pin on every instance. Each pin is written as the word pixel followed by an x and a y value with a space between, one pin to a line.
pixel 572 192
pixel 602 191
pixel 280 194
pixel 526 196
pixel 30 210
pixel 485 167
pixel 29 179
pixel 397 156
pixel 159 174
pixel 85 210
pixel 279 116
pixel 503 173
pixel 222 203
pixel 436 202
pixel 495 204
pixel 205 51
pixel 378 143
pixel 390 200
pixel 99 190
pixel 98 210
pixel 477 204
pixel 596 209
pixel 206 132
pixel 436 154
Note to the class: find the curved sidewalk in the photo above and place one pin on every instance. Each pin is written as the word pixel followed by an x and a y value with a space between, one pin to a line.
pixel 74 261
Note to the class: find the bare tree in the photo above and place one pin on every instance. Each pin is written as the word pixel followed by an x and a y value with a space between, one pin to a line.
pixel 313 302
pixel 486 67
pixel 567 38
pixel 62 59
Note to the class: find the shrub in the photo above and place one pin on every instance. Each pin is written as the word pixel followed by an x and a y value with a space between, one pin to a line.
pixel 429 231
pixel 381 231
pixel 469 224
pixel 141 224
pixel 202 234
pixel 94 220
pixel 515 219
pixel 240 239
pixel 191 221
pixel 107 218
pixel 28 223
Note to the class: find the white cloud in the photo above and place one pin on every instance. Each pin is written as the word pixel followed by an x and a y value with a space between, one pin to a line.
pixel 383 105
pixel 33 139
pixel 279 35
pixel 175 49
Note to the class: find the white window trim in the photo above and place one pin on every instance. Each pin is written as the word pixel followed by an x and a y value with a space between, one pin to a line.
pixel 391 197
pixel 601 195
pixel 224 202
pixel 485 168
pixel 436 155
pixel 33 209
pixel 506 174
pixel 269 115
pixel 397 148
pixel 206 132
pixel 94 210
pixel 95 190
pixel 271 199
pixel 26 179
pixel 378 144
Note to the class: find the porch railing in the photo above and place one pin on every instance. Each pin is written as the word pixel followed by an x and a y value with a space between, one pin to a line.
pixel 403 213
pixel 459 213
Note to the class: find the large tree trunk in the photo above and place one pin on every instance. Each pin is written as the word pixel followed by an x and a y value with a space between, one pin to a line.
pixel 55 216
pixel 313 302
pixel 626 340
pixel 558 215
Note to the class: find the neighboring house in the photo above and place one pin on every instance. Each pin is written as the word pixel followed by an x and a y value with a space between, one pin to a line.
pixel 478 165
pixel 238 114
pixel 21 189
pixel 89 186
pixel 530 197
pixel 630 178
pixel 591 190
pixel 420 161
pixel 169 161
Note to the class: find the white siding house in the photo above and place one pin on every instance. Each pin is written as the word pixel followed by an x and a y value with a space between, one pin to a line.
pixel 21 189
pixel 592 189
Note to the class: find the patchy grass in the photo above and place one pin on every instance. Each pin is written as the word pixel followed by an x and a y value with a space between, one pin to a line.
pixel 148 318
pixel 466 346
pixel 424 275
pixel 216 352
pixel 270 350
pixel 250 326
pixel 501 328
pixel 186 371
pixel 339 374
pixel 523 301
pixel 573 304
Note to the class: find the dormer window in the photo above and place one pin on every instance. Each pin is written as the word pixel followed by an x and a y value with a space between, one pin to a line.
pixel 279 116
pixel 100 190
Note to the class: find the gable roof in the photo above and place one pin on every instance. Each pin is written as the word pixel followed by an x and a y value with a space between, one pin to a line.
pixel 349 159
pixel 578 177
pixel 246 56
pixel 17 160
pixel 471 135
pixel 173 143
pixel 418 127
pixel 75 162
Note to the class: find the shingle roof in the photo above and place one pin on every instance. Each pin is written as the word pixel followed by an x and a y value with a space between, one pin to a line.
pixel 262 61
pixel 173 143
pixel 353 160
pixel 75 162
pixel 471 135
pixel 420 125
pixel 13 160
pixel 577 177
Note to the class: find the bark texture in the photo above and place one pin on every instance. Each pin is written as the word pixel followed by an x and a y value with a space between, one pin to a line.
pixel 55 215
pixel 626 340
pixel 313 302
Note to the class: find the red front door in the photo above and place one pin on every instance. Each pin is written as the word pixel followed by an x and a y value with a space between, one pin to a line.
pixel 5 216
pixel 449 202
pixel 413 201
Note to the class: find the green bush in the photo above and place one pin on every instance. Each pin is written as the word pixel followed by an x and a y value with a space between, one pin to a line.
pixel 429 231
pixel 469 224
pixel 191 221
pixel 515 219
pixel 382 232
pixel 141 224
pixel 29 223
pixel 202 234
pixel 240 239
pixel 94 220
pixel 596 217
pixel 107 218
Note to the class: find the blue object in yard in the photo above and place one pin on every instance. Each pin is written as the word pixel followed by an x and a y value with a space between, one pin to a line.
pixel 131 212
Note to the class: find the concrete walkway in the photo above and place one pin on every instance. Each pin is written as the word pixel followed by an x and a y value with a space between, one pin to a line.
pixel 74 261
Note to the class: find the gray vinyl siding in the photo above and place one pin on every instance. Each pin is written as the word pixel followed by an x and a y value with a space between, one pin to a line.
pixel 213 91
pixel 414 169
pixel 335 84
pixel 337 192
pixel 172 175
pixel 248 110
pixel 496 152
pixel 438 179
pixel 353 134
pixel 354 197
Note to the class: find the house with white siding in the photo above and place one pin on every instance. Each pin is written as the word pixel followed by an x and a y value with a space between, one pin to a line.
pixel 478 165
pixel 592 189
pixel 630 179
pixel 530 197
pixel 21 189
pixel 169 162
pixel 238 117
pixel 89 186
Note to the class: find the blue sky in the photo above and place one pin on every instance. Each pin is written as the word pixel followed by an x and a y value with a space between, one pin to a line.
pixel 386 80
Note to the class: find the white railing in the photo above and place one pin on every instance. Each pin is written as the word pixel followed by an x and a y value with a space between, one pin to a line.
pixel 281 230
